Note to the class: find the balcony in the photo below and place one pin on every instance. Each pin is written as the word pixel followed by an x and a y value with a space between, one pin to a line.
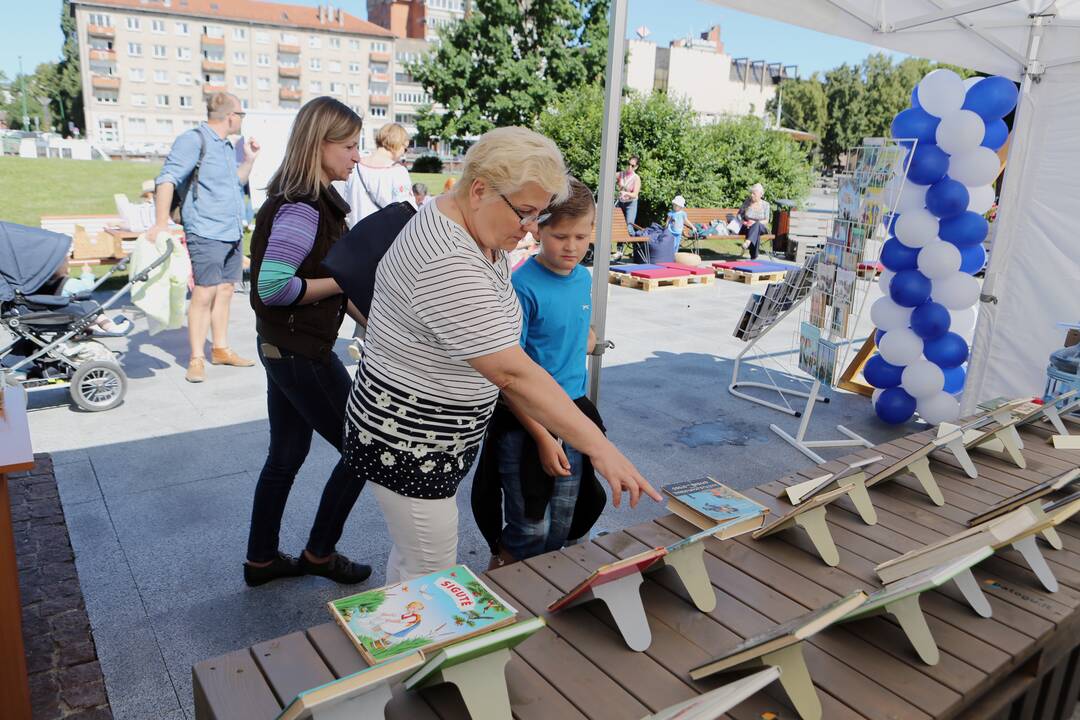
pixel 289 93
pixel 213 65
pixel 211 88
pixel 379 57
pixel 288 49
pixel 105 82
pixel 380 77
pixel 379 99
pixel 109 55
pixel 288 71
pixel 104 31
pixel 210 41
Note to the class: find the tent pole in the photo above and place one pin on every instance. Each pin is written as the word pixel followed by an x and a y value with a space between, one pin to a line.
pixel 605 205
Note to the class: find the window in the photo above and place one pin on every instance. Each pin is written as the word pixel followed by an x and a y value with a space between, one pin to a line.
pixel 137 75
pixel 161 76
pixel 239 57
pixel 213 31
pixel 164 126
pixel 100 19
pixel 334 66
pixel 239 33
pixel 354 89
pixel 410 98
pixel 133 23
pixel 136 124
pixel 263 60
pixel 315 86
pixel 244 103
pixel 106 97
pixel 262 83
pixel 183 53
pixel 379 47
pixel 160 51
pixel 379 88
pixel 108 130
pixel 182 28
pixel 336 88
pixel 314 64
pixel 289 39
pixel 404 118
pixel 157 26
pixel 135 49
pixel 185 101
pixel 335 43
pixel 354 44
pixel 161 100
pixel 354 67
pixel 314 41
pixel 262 37
pixel 138 100
pixel 264 105
pixel 188 124
pixel 377 112
pixel 379 68
pixel 184 78
pixel 240 81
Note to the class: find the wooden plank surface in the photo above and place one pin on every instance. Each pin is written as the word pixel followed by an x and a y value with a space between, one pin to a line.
pixel 1022 662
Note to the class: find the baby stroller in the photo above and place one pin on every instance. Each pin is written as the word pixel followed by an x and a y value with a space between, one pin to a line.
pixel 51 345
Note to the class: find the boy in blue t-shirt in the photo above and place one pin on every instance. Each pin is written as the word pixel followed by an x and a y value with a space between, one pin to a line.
pixel 555 292
pixel 676 219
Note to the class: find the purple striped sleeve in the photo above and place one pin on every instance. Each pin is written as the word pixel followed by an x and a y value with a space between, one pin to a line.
pixel 290 241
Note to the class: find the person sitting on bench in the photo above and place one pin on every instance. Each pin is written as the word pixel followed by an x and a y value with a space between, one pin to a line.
pixel 755 214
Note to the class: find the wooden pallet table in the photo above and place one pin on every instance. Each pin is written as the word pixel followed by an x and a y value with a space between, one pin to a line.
pixel 650 284
pixel 750 278
pixel 1021 663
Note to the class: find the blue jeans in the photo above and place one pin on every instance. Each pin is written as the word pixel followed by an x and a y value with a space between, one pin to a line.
pixel 523 537
pixel 629 209
pixel 303 396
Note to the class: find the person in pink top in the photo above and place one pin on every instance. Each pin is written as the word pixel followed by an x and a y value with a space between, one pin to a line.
pixel 628 183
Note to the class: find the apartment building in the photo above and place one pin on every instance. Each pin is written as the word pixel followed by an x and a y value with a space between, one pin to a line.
pixel 416 19
pixel 147 65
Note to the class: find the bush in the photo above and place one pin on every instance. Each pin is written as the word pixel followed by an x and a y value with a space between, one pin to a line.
pixel 427 164
pixel 711 165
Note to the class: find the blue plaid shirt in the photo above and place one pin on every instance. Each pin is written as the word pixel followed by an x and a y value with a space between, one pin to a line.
pixel 218 214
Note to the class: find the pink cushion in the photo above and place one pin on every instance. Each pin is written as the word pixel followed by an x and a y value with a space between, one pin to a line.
pixel 688 269
pixel 730 265
pixel 656 274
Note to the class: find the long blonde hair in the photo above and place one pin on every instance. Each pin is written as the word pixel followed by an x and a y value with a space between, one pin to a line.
pixel 323 119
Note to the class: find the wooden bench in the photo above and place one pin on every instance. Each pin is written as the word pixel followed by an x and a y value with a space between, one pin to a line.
pixel 706 216
pixel 621 239
pixel 807 232
pixel 1024 662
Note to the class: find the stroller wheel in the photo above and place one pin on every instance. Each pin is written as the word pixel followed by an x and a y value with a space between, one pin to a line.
pixel 98 385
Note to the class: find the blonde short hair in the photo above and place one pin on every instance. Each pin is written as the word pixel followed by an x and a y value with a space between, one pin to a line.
pixel 324 119
pixel 507 158
pixel 392 137
pixel 220 104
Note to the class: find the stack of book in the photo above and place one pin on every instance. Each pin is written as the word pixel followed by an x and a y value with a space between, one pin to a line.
pixel 763 309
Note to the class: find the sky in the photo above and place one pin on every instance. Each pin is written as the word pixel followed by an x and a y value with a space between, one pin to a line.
pixel 35 33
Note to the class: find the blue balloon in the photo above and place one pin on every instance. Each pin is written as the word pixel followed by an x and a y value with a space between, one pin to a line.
pixel 947 198
pixel 967 228
pixel 915 97
pixel 915 123
pixel 897 256
pixel 878 334
pixel 895 406
pixel 972 258
pixel 954 379
pixel 929 163
pixel 890 222
pixel 930 320
pixel 997 132
pixel 948 351
pixel 992 98
pixel 909 288
pixel 882 374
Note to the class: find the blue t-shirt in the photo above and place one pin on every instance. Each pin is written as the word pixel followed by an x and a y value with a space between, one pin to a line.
pixel 676 220
pixel 556 310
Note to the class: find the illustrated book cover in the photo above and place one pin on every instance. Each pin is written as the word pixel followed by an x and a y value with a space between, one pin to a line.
pixel 708 503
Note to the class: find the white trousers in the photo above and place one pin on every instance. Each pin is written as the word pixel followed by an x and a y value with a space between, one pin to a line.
pixel 425 533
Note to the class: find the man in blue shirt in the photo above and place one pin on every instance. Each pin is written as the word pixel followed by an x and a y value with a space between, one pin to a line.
pixel 202 166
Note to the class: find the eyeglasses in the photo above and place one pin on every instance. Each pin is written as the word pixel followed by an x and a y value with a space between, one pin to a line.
pixel 526 219
pixel 241 114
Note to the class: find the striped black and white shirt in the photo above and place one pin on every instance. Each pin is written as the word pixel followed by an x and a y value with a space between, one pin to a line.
pixel 439 302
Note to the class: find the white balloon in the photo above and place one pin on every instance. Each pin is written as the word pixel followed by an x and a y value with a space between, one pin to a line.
pixel 941 92
pixel 876 394
pixel 912 197
pixel 975 167
pixel 956 292
pixel 901 346
pixel 884 279
pixel 916 228
pixel 962 322
pixel 922 379
pixel 968 82
pixel 939 260
pixel 980 199
pixel 888 316
pixel 939 408
pixel 960 131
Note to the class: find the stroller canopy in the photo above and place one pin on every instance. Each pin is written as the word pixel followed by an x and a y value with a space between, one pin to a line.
pixel 28 258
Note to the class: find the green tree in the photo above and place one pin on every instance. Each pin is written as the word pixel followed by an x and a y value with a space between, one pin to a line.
pixel 743 152
pixel 501 64
pixel 68 100
pixel 44 82
pixel 845 95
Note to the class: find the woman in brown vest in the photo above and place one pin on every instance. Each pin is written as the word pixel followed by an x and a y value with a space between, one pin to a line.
pixel 298 311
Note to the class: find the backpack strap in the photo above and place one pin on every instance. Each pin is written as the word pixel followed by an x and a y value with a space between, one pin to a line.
pixel 194 180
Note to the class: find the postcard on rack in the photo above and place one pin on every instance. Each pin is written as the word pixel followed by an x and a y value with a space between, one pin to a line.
pixel 713 506
pixel 808 345
pixel 424 614
pixel 826 362
pixel 609 573
pixel 839 325
pixel 847 197
pixel 818 307
pixel 844 289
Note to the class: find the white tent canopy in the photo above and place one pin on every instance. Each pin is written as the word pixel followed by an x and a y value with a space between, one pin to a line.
pixel 1033 279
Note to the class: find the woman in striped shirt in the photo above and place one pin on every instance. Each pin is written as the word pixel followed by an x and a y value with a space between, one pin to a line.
pixel 443 340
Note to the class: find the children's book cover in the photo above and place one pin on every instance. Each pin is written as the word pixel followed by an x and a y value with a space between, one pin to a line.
pixel 713 499
pixel 609 573
pixel 422 614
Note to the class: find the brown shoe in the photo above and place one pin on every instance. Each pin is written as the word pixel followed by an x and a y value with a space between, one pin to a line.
pixel 196 370
pixel 225 356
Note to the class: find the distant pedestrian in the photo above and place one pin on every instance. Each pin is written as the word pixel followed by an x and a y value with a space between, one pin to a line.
pixel 676 219
pixel 202 167
pixel 379 179
pixel 629 186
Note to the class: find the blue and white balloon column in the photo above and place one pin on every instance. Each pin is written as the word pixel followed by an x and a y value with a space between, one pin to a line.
pixel 935 244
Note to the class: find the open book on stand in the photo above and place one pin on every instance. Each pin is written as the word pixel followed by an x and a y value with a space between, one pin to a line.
pixel 708 503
